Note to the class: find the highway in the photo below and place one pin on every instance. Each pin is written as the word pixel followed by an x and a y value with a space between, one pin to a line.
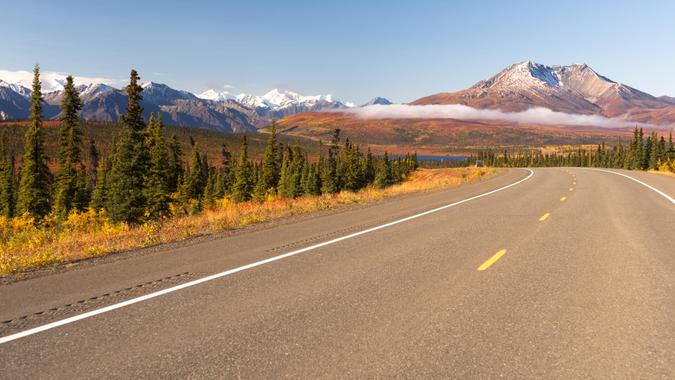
pixel 535 273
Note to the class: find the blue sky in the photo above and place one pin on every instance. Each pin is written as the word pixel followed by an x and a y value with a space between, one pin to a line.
pixel 355 50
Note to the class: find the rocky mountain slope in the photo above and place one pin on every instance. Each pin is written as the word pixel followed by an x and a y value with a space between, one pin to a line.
pixel 572 89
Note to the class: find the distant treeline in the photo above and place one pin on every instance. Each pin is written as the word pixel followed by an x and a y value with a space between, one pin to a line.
pixel 145 177
pixel 641 153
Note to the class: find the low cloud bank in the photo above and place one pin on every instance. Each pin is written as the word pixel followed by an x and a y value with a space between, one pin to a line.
pixel 537 115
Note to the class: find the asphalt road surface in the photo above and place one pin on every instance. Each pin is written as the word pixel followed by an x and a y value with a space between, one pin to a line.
pixel 568 273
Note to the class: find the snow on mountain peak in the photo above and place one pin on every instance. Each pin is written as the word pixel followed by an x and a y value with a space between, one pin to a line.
pixel 51 81
pixel 21 90
pixel 276 99
pixel 216 96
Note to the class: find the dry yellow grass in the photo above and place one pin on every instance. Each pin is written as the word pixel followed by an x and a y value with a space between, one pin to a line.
pixel 24 246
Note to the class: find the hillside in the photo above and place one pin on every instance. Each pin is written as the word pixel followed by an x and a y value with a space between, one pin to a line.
pixel 102 134
pixel 441 136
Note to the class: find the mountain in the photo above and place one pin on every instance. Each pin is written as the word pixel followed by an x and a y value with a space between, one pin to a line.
pixel 211 109
pixel 216 96
pixel 276 104
pixel 14 102
pixel 377 101
pixel 51 81
pixel 572 89
pixel 102 102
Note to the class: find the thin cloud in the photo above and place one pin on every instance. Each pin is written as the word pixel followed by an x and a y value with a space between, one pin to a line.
pixel 536 115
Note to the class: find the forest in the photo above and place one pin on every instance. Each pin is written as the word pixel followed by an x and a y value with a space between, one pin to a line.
pixel 642 152
pixel 146 175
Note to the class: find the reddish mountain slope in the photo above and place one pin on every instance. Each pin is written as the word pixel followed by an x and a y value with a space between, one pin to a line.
pixel 572 89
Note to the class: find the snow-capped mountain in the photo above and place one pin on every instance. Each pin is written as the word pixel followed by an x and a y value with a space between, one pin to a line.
pixel 51 81
pixel 14 102
pixel 159 93
pixel 277 104
pixel 574 88
pixel 15 87
pixel 377 101
pixel 216 96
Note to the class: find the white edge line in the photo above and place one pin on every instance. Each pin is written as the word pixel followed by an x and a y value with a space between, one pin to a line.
pixel 668 197
pixel 146 297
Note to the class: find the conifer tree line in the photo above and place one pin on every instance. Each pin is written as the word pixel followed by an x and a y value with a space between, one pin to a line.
pixel 651 152
pixel 148 177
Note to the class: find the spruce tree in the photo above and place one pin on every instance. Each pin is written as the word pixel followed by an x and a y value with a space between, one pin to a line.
pixel 93 158
pixel 269 176
pixel 243 185
pixel 329 174
pixel 126 201
pixel 175 164
pixel 384 176
pixel 69 187
pixel 34 195
pixel 226 170
pixel 7 187
pixel 196 178
pixel 98 197
pixel 369 168
pixel 284 189
pixel 157 186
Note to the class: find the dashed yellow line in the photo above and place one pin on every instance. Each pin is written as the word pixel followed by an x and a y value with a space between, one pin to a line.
pixel 563 199
pixel 571 189
pixel 544 217
pixel 492 260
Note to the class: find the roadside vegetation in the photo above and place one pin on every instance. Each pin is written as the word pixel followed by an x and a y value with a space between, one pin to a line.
pixel 145 192
pixel 651 153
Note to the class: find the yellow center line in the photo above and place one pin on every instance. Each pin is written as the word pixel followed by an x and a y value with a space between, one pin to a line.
pixel 563 199
pixel 571 188
pixel 574 183
pixel 544 217
pixel 492 260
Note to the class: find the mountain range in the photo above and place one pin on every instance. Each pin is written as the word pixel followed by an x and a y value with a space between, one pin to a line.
pixel 579 106
pixel 573 90
pixel 213 110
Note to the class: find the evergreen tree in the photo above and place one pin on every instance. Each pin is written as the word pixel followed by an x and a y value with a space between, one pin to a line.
pixel 269 176
pixel 7 187
pixel 69 185
pixel 93 157
pixel 242 186
pixel 34 195
pixel 285 180
pixel 175 164
pixel 157 186
pixel 329 177
pixel 125 198
pixel 384 176
pixel 369 168
pixel 654 151
pixel 196 177
pixel 226 170
pixel 98 197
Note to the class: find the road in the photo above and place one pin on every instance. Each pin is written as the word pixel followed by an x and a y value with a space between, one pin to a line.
pixel 569 273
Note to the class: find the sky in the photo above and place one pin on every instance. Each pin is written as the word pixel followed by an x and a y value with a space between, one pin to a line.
pixel 355 50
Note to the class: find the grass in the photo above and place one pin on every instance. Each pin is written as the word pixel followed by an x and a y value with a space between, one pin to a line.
pixel 25 246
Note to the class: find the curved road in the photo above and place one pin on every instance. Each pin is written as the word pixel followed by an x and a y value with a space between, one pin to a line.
pixel 567 274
